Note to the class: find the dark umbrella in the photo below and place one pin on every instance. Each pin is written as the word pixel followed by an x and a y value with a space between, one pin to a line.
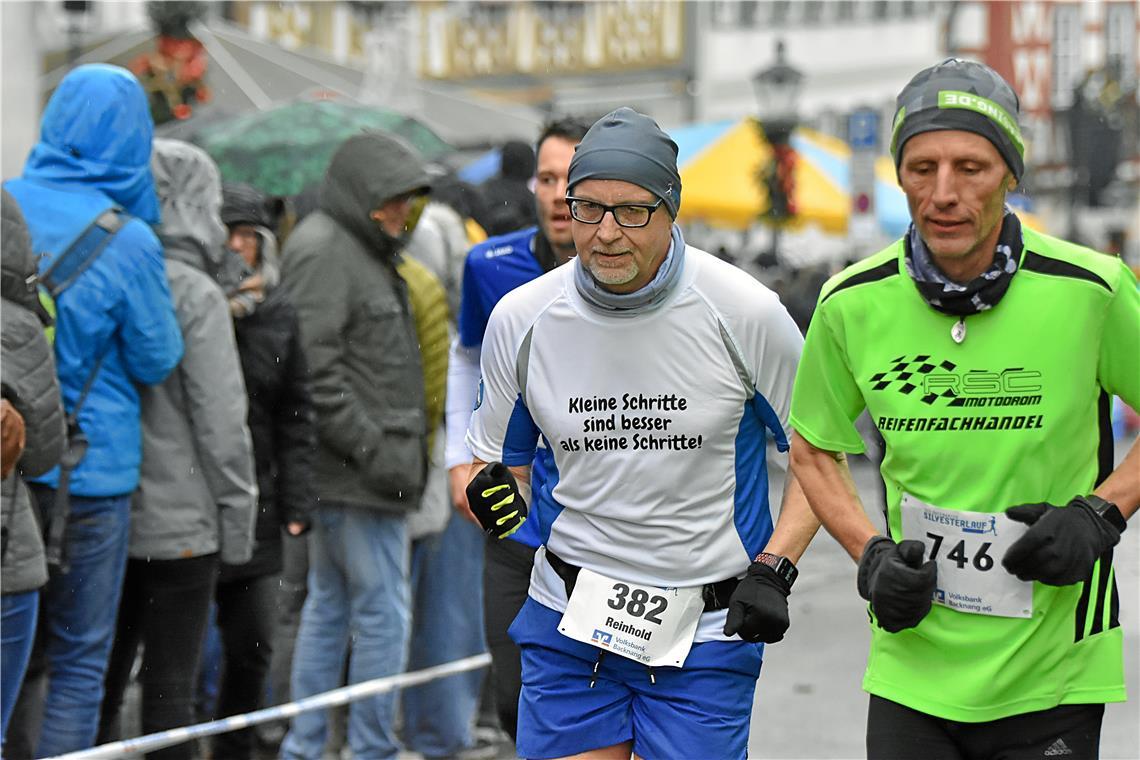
pixel 285 149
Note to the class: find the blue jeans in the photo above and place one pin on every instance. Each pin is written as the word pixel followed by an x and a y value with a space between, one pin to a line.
pixel 209 670
pixel 447 572
pixel 17 633
pixel 358 587
pixel 80 608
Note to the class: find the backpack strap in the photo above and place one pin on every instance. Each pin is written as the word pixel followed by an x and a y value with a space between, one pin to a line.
pixel 83 251
pixel 58 277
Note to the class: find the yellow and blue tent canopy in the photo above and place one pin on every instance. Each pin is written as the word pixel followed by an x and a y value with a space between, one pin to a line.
pixel 720 162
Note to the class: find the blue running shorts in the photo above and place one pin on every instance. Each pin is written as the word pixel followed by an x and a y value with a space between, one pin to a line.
pixel 700 710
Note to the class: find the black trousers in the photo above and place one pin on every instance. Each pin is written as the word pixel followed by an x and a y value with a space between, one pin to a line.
pixel 1067 732
pixel 506 578
pixel 247 609
pixel 165 607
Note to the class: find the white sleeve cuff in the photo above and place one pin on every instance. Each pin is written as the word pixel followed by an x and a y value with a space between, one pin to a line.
pixel 462 390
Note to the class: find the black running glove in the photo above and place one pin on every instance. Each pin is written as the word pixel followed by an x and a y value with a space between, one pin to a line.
pixel 897 583
pixel 495 500
pixel 758 608
pixel 1062 544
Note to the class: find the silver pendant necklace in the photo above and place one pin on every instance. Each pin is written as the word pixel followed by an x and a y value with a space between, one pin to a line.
pixel 958 331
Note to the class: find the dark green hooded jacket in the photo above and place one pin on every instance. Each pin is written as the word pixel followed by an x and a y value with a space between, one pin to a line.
pixel 358 333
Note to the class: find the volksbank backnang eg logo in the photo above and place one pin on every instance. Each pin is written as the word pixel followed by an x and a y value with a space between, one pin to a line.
pixel 602 637
pixel 944 383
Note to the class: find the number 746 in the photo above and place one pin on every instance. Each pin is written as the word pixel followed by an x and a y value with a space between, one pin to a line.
pixel 982 560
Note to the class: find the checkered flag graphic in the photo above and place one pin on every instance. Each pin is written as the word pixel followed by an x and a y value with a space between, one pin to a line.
pixel 906 376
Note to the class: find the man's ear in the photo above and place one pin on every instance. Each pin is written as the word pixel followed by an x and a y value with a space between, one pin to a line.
pixel 1012 184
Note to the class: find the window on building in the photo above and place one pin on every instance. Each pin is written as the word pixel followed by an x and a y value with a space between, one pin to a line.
pixel 725 13
pixel 812 11
pixel 844 11
pixel 1120 41
pixel 1067 71
pixel 748 9
pixel 780 11
pixel 880 9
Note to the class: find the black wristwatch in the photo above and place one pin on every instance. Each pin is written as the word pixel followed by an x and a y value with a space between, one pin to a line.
pixel 782 565
pixel 1107 510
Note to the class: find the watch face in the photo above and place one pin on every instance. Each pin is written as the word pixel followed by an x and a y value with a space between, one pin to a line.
pixel 782 565
pixel 1108 511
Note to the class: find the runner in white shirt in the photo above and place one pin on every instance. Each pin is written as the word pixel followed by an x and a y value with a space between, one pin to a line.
pixel 656 374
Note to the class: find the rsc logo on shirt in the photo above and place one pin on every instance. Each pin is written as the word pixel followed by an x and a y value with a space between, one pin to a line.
pixel 957 386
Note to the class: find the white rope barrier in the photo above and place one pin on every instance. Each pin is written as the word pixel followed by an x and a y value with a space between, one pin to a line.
pixel 332 698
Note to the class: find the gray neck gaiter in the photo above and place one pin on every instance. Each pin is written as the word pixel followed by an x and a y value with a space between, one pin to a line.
pixel 640 301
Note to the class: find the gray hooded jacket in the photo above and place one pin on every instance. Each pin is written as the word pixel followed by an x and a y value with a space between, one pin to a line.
pixel 30 385
pixel 358 333
pixel 197 493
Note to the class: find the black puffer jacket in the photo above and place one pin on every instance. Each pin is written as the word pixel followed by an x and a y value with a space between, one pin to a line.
pixel 29 384
pixel 282 424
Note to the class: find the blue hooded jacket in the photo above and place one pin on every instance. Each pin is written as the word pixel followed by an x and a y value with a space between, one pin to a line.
pixel 94 152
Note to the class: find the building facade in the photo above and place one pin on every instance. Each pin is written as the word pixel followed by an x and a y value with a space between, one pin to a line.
pixel 1076 67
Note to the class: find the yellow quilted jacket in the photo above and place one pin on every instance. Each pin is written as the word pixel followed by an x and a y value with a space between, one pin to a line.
pixel 429 307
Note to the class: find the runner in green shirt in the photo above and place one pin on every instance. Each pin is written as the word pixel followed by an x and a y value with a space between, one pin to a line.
pixel 987 356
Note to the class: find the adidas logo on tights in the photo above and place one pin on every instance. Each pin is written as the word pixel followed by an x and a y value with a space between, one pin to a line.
pixel 1058 748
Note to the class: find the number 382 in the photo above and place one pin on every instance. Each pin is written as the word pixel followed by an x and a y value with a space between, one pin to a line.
pixel 636 603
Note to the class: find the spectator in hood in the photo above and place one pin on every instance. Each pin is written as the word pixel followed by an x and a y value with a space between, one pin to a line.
pixel 507 198
pixel 31 415
pixel 115 326
pixel 196 501
pixel 250 217
pixel 284 440
pixel 366 377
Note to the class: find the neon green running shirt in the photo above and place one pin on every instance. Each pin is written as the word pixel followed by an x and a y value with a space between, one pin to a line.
pixel 1017 412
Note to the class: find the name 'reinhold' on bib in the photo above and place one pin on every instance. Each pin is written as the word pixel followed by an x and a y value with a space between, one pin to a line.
pixel 967 548
pixel 651 625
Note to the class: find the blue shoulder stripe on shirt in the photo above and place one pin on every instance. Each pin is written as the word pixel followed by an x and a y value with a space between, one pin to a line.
pixel 521 439
pixel 770 419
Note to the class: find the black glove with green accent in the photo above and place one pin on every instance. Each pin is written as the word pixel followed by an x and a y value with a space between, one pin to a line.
pixel 1062 543
pixel 897 583
pixel 495 500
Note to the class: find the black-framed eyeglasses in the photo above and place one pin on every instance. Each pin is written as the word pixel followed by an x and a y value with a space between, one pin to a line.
pixel 625 214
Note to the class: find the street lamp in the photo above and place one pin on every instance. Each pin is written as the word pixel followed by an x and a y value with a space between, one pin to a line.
pixel 778 89
pixel 75 11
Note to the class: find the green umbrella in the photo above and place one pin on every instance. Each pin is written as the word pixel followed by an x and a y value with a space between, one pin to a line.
pixel 286 149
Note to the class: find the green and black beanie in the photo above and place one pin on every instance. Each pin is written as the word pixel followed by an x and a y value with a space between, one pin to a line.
pixel 965 95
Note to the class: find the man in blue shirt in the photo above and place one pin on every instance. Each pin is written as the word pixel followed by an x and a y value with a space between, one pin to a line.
pixel 494 268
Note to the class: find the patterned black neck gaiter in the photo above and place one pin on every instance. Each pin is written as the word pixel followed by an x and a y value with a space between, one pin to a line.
pixel 979 294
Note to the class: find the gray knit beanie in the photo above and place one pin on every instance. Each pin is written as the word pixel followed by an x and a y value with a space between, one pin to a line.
pixel 965 95
pixel 629 146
